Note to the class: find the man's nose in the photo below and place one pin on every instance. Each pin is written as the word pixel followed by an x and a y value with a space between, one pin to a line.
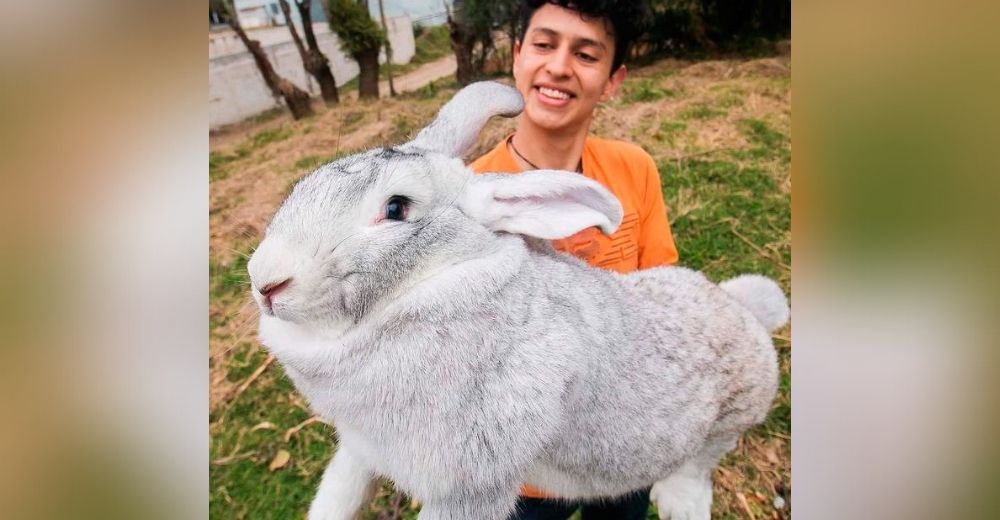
pixel 558 64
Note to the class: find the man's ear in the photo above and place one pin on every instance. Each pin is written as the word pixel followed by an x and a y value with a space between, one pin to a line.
pixel 547 204
pixel 611 88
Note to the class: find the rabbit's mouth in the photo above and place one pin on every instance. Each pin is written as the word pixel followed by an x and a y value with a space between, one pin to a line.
pixel 267 294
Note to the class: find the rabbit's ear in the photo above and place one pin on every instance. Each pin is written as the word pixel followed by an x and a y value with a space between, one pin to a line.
pixel 457 125
pixel 546 204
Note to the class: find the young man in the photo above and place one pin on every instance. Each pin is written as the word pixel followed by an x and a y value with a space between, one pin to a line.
pixel 567 60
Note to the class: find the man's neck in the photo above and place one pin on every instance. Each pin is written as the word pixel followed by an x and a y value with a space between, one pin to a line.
pixel 548 150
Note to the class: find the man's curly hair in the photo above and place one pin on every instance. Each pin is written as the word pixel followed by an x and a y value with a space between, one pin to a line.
pixel 628 19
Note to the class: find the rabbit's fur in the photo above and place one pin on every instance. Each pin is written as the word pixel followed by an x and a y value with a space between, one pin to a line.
pixel 459 356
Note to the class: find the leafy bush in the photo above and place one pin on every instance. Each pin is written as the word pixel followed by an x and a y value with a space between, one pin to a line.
pixel 354 26
pixel 700 25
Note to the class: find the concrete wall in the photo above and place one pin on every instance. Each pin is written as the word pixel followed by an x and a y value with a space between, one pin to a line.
pixel 266 13
pixel 236 89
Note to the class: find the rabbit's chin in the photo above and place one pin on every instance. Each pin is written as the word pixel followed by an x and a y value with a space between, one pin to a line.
pixel 286 337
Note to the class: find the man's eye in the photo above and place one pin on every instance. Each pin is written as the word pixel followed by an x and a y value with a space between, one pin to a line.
pixel 542 45
pixel 586 57
pixel 395 209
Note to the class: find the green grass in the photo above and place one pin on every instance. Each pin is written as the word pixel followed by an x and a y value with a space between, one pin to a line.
pixel 431 45
pixel 352 120
pixel 701 111
pixel 730 213
pixel 246 487
pixel 428 91
pixel 669 131
pixel 308 162
pixel 730 99
pixel 645 90
pixel 218 165
pixel 737 204
pixel 402 129
pixel 762 135
pixel 266 115
pixel 229 279
pixel 263 138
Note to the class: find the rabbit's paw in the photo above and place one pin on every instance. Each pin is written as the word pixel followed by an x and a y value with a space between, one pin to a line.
pixel 683 497
pixel 328 508
pixel 324 508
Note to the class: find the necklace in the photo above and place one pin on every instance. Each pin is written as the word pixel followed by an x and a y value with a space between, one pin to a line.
pixel 510 141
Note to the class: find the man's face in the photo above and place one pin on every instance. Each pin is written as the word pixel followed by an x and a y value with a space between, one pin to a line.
pixel 562 68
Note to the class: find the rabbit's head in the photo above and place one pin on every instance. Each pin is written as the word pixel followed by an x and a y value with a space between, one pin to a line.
pixel 354 231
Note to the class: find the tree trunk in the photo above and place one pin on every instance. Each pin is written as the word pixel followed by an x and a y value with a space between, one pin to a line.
pixel 368 75
pixel 388 49
pixel 485 45
pixel 287 11
pixel 296 98
pixel 320 65
pixel 462 43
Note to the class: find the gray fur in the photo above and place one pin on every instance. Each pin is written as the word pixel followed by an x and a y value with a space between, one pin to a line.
pixel 460 361
pixel 455 129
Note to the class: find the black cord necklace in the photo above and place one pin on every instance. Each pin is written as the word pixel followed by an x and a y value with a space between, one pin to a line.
pixel 510 141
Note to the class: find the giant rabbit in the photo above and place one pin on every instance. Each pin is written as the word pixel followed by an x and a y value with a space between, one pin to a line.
pixel 421 310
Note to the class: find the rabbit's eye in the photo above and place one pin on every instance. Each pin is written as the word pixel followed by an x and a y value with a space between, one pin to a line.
pixel 395 209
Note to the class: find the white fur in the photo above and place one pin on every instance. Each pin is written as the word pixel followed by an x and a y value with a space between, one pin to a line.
pixel 683 496
pixel 762 297
pixel 687 493
pixel 546 204
pixel 346 486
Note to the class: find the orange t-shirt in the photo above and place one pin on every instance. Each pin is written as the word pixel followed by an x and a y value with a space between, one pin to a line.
pixel 642 240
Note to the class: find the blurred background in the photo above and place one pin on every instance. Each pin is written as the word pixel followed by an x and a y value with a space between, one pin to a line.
pixel 108 205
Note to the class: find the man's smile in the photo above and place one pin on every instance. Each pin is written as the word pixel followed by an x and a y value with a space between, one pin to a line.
pixel 553 96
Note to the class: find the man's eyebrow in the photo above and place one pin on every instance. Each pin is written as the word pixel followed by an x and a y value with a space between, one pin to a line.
pixel 587 41
pixel 578 41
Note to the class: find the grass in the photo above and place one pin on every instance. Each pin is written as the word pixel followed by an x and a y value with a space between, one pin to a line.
pixel 218 162
pixel 306 164
pixel 730 213
pixel 262 139
pixel 229 279
pixel 352 120
pixel 432 44
pixel 217 165
pixel 669 131
pixel 702 111
pixel 402 129
pixel 645 90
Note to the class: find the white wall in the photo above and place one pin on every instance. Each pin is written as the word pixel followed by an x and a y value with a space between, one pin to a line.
pixel 236 89
pixel 258 13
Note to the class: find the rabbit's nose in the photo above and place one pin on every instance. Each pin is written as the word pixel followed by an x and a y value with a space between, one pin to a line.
pixel 269 290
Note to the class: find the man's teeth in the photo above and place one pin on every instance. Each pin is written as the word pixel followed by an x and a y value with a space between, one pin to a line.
pixel 553 93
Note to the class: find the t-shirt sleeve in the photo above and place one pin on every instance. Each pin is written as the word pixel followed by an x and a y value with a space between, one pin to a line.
pixel 656 242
